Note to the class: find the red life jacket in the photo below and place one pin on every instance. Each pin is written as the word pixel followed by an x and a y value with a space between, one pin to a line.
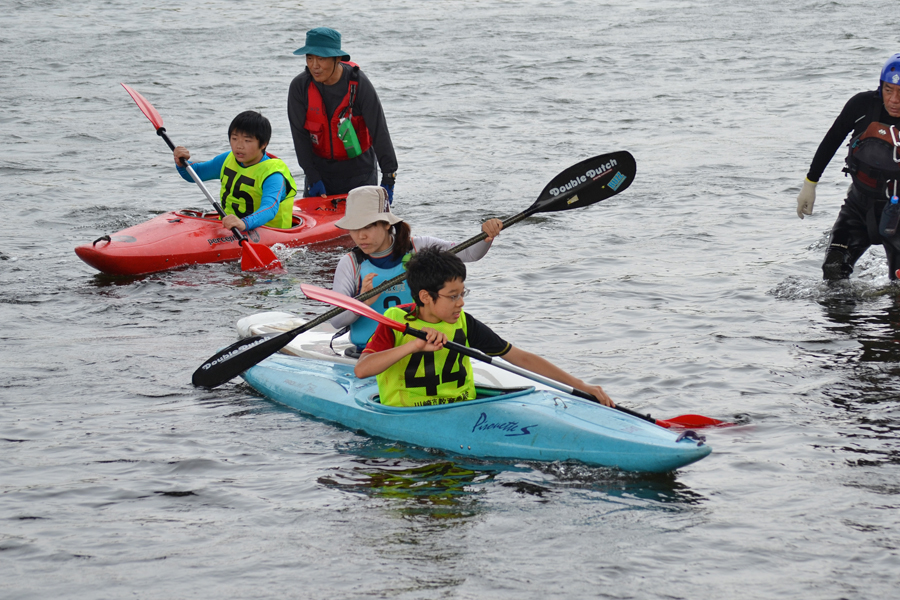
pixel 324 134
pixel 874 161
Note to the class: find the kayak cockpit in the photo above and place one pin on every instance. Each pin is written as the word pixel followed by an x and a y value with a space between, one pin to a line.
pixel 296 220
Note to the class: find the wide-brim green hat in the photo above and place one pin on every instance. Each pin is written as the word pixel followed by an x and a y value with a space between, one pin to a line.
pixel 324 42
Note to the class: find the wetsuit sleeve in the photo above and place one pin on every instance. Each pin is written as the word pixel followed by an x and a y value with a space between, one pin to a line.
pixel 483 338
pixel 346 283
pixel 297 105
pixel 274 190
pixel 210 169
pixel 369 106
pixel 470 254
pixel 382 339
pixel 855 109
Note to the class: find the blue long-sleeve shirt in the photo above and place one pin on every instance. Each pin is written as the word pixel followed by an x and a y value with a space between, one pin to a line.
pixel 274 188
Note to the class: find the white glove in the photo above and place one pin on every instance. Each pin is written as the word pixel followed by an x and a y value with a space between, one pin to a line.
pixel 806 198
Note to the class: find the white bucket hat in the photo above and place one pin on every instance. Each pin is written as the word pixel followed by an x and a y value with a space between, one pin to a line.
pixel 366 205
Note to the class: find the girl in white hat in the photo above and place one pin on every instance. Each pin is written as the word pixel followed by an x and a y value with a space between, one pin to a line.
pixel 383 244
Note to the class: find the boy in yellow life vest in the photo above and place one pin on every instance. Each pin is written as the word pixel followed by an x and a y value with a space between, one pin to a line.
pixel 415 372
pixel 257 187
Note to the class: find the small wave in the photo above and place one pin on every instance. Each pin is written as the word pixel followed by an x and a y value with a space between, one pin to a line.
pixel 284 253
pixel 807 288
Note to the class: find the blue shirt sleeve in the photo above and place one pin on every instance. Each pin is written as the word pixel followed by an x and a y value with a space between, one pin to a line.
pixel 210 169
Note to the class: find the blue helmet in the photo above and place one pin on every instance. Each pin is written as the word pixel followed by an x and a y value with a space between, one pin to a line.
pixel 890 72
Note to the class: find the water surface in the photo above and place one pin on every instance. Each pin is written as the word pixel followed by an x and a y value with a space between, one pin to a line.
pixel 695 291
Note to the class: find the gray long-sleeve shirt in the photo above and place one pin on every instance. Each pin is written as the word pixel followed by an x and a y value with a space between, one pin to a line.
pixel 334 173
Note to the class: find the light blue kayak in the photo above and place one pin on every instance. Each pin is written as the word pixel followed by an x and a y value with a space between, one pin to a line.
pixel 521 423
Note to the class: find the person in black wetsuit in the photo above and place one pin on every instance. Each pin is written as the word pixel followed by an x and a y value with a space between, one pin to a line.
pixel 329 91
pixel 856 227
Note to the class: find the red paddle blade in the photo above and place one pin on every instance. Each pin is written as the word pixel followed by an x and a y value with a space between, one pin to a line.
pixel 692 422
pixel 351 304
pixel 257 257
pixel 149 111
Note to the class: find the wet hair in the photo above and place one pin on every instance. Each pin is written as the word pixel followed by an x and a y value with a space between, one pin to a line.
pixel 430 269
pixel 254 124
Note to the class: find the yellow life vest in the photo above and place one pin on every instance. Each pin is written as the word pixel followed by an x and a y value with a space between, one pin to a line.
pixel 427 378
pixel 242 189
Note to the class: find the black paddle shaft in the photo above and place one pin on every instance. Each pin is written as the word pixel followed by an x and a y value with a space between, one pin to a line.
pixel 233 360
pixel 583 184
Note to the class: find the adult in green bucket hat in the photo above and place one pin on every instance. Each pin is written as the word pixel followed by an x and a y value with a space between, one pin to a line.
pixel 340 133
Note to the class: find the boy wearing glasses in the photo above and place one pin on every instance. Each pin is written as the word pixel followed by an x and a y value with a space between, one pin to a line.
pixel 415 372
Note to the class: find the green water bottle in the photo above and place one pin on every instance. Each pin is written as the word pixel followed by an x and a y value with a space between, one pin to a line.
pixel 348 137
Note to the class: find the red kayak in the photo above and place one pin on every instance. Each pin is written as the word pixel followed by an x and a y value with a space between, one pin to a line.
pixel 190 237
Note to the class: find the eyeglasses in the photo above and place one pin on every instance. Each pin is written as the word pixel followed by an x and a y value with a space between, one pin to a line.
pixel 456 297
